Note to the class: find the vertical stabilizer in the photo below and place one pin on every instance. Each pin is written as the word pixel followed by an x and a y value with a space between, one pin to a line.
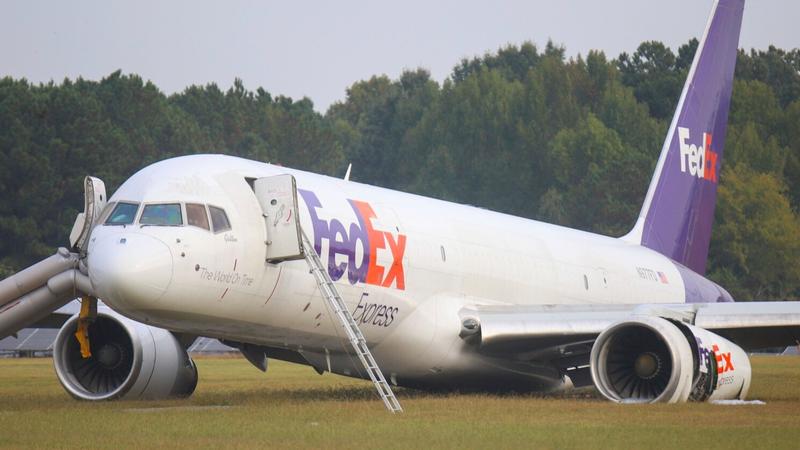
pixel 678 210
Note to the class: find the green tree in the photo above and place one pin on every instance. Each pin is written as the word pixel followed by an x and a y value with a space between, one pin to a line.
pixel 755 244
pixel 745 145
pixel 382 113
pixel 511 61
pixel 593 171
pixel 653 74
pixel 777 68
pixel 791 134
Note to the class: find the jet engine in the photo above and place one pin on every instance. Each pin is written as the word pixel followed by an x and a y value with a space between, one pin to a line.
pixel 128 360
pixel 650 359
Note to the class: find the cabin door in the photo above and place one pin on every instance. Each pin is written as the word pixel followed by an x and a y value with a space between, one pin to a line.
pixel 277 196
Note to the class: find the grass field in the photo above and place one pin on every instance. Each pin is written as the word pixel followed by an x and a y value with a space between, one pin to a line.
pixel 236 406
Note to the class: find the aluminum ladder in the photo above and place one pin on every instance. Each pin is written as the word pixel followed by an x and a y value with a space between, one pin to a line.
pixel 354 335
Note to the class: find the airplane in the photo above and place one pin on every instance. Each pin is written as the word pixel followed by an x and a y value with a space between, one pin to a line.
pixel 402 289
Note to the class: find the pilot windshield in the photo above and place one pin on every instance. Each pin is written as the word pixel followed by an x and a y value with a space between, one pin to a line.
pixel 165 214
pixel 123 214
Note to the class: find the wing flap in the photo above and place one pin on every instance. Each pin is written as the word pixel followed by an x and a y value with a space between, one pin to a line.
pixel 753 325
pixel 714 316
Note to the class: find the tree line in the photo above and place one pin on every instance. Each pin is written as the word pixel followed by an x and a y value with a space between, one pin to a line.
pixel 522 130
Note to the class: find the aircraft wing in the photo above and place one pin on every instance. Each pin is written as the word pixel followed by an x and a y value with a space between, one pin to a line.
pixel 564 334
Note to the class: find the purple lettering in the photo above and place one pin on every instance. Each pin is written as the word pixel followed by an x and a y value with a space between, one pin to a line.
pixel 338 245
pixel 358 233
pixel 320 226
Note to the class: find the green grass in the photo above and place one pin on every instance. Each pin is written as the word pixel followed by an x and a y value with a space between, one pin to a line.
pixel 236 406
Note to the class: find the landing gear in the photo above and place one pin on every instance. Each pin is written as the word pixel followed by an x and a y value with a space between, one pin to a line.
pixel 87 315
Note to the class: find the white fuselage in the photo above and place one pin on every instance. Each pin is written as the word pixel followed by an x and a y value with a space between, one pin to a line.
pixel 434 257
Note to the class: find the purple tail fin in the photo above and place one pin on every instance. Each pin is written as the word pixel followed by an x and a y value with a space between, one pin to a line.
pixel 679 207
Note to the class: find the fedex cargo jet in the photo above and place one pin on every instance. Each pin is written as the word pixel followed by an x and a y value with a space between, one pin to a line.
pixel 406 290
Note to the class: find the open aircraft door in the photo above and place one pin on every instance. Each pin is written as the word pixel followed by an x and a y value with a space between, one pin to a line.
pixel 277 196
pixel 94 201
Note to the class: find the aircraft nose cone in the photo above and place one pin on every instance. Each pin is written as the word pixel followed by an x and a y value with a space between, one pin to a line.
pixel 131 269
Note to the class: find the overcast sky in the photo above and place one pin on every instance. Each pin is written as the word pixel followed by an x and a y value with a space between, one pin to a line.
pixel 318 49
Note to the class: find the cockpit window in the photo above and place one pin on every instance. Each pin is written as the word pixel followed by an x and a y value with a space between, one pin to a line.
pixel 196 215
pixel 219 219
pixel 123 214
pixel 106 212
pixel 163 214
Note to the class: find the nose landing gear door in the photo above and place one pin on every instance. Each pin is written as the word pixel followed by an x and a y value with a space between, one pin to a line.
pixel 277 196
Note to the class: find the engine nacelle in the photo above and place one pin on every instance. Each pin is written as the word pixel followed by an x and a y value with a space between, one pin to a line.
pixel 649 359
pixel 129 360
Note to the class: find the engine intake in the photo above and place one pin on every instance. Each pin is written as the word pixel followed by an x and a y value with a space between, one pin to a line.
pixel 650 359
pixel 129 360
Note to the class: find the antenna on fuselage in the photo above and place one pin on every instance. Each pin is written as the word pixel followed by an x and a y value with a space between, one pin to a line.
pixel 347 174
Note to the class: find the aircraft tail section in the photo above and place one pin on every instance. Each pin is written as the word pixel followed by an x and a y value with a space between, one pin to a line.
pixel 678 210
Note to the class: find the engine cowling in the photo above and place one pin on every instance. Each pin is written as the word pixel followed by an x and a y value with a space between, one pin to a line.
pixel 650 359
pixel 129 360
